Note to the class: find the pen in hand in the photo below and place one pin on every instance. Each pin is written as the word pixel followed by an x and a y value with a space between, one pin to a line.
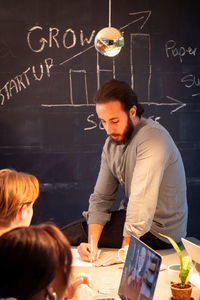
pixel 91 249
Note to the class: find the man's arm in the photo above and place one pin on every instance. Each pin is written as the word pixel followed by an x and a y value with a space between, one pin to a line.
pixel 152 157
pixel 100 204
pixel 151 160
pixel 88 251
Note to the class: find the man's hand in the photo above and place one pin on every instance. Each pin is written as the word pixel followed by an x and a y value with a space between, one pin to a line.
pixel 84 250
pixel 107 258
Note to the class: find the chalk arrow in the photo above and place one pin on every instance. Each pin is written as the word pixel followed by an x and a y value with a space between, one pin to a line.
pixel 141 15
pixel 177 102
pixel 174 103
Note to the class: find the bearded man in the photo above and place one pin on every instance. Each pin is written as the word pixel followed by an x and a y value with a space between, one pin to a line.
pixel 140 155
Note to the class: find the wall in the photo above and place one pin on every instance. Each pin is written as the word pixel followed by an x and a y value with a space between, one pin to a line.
pixel 50 70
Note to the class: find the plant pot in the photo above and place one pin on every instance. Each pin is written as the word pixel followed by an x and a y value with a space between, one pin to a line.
pixel 181 292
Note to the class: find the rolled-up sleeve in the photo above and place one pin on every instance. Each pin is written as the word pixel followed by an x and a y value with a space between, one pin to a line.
pixel 104 195
pixel 151 160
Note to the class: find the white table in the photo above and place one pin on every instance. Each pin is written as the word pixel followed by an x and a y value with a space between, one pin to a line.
pixel 162 291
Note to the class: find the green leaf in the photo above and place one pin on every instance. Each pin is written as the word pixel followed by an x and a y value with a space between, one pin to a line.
pixel 184 271
pixel 184 261
pixel 176 247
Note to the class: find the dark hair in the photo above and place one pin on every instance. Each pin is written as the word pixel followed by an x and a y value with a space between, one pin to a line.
pixel 30 258
pixel 121 91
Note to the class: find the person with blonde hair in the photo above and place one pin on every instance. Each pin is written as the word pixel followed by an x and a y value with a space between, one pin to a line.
pixel 18 192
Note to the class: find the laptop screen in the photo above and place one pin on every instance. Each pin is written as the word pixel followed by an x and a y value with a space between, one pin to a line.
pixel 140 272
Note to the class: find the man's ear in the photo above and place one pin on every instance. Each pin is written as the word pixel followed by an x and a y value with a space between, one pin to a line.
pixel 132 112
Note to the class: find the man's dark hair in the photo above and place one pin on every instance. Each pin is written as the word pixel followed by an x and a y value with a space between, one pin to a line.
pixel 121 91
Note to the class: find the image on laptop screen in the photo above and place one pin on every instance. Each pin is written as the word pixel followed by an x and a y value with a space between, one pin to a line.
pixel 140 272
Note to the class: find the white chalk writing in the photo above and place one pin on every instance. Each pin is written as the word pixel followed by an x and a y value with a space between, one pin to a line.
pixel 39 38
pixel 190 80
pixel 23 80
pixel 173 51
pixel 54 39
pixel 93 123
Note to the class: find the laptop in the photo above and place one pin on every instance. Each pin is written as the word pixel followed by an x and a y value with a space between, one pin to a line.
pixel 194 251
pixel 140 273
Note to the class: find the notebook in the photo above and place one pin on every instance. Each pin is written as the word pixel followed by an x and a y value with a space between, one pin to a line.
pixel 140 272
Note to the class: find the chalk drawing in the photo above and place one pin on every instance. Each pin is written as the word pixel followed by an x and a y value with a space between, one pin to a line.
pixel 142 39
pixel 56 38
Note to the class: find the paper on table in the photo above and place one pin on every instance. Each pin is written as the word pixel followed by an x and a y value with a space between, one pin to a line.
pixel 78 262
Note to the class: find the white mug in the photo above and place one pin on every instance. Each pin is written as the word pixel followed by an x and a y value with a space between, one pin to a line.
pixel 174 271
pixel 124 250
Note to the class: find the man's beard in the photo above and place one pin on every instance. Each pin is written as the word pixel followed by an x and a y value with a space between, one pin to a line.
pixel 126 135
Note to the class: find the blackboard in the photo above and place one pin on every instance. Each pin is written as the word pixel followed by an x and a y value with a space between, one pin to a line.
pixel 50 70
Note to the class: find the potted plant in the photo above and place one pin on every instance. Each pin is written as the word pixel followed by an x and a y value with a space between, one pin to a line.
pixel 181 290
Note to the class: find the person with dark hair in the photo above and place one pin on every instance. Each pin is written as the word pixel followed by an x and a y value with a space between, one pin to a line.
pixel 140 155
pixel 18 192
pixel 36 264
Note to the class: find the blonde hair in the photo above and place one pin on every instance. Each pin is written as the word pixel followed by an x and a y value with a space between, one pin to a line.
pixel 16 189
